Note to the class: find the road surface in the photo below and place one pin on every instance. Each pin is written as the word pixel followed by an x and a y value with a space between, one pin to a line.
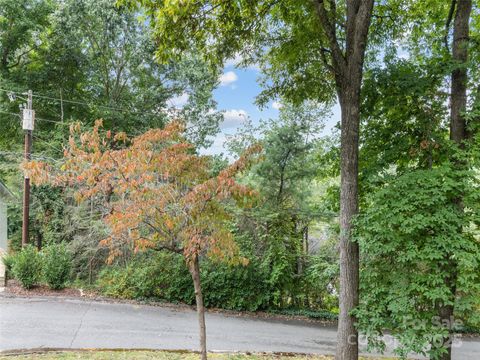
pixel 27 323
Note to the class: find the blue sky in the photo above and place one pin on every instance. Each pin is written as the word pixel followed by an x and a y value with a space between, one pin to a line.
pixel 236 97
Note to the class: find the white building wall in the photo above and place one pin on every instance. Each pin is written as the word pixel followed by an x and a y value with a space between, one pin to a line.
pixel 3 225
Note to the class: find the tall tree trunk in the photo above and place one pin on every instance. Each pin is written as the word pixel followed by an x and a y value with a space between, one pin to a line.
pixel 458 99
pixel 195 272
pixel 458 134
pixel 347 60
pixel 346 63
pixel 347 337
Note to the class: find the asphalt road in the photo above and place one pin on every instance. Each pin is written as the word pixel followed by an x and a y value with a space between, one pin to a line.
pixel 65 323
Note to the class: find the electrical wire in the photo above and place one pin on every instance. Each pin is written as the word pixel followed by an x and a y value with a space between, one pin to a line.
pixel 75 102
pixel 9 113
pixel 59 122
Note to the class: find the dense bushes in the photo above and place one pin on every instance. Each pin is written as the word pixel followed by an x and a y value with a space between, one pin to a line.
pixel 149 275
pixel 30 267
pixel 27 267
pixel 7 260
pixel 164 276
pixel 235 287
pixel 57 265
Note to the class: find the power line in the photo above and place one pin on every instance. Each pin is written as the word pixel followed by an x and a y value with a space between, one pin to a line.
pixel 130 135
pixel 9 113
pixel 47 143
pixel 19 155
pixel 36 118
pixel 53 121
pixel 64 123
pixel 90 105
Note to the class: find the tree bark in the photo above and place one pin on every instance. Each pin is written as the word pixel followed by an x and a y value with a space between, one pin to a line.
pixel 347 65
pixel 195 272
pixel 458 134
pixel 347 336
pixel 445 313
pixel 458 99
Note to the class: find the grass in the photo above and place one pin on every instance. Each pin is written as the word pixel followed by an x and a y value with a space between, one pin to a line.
pixel 157 355
pixel 150 355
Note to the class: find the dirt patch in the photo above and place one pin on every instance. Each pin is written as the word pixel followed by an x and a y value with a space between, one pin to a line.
pixel 14 288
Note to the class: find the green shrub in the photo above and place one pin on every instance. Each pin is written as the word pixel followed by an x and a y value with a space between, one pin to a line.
pixel 57 266
pixel 159 275
pixel 235 287
pixel 163 275
pixel 113 281
pixel 8 260
pixel 27 266
pixel 312 314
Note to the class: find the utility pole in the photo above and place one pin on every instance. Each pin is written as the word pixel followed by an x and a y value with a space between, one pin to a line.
pixel 28 117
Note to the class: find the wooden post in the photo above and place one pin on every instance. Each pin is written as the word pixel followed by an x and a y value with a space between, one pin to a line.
pixel 28 118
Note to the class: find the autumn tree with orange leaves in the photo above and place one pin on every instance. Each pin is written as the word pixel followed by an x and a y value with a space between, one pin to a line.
pixel 159 194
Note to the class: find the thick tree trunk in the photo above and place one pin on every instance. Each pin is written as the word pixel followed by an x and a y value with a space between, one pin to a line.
pixel 347 336
pixel 445 313
pixel 346 64
pixel 458 133
pixel 458 100
pixel 195 272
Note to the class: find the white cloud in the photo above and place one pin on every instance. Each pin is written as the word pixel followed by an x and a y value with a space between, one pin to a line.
pixel 233 118
pixel 254 66
pixel 227 78
pixel 179 100
pixel 237 60
pixel 217 147
pixel 277 105
pixel 234 62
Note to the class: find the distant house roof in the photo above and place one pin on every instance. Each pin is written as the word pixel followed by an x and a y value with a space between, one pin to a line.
pixel 5 193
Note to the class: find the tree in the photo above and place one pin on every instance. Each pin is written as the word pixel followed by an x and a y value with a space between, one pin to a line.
pixel 87 60
pixel 20 27
pixel 277 228
pixel 21 30
pixel 118 73
pixel 157 194
pixel 461 27
pixel 405 106
pixel 91 59
pixel 458 134
pixel 321 49
pixel 409 236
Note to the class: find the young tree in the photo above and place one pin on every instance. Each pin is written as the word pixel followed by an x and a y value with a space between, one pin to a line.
pixel 317 48
pixel 158 194
pixel 278 226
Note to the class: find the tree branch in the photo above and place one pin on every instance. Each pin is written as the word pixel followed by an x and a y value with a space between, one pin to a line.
pixel 329 28
pixel 449 21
